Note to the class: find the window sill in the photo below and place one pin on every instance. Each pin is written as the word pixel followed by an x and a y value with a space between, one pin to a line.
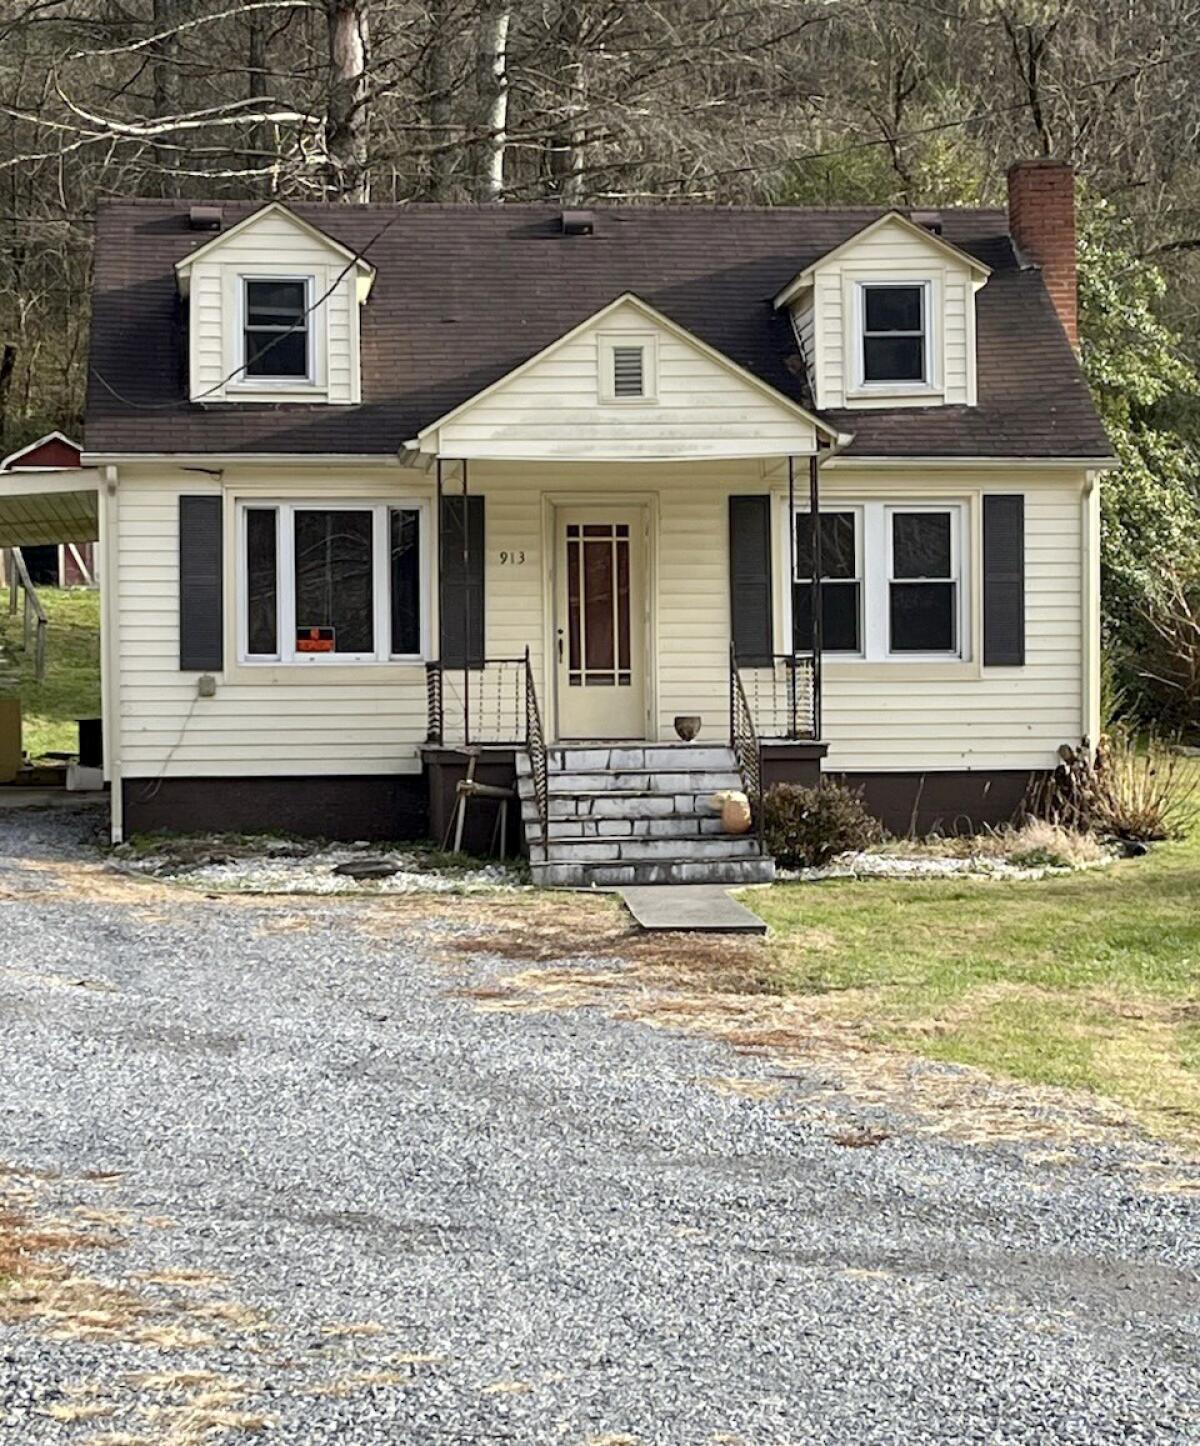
pixel 900 670
pixel 341 674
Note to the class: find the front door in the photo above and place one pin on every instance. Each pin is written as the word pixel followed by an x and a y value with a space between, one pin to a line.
pixel 600 622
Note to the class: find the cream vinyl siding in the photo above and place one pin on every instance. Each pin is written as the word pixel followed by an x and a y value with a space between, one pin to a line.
pixel 273 719
pixel 902 716
pixel 554 407
pixel 892 253
pixel 265 718
pixel 271 245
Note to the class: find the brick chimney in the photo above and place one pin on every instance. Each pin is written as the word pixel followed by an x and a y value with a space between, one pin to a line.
pixel 1041 219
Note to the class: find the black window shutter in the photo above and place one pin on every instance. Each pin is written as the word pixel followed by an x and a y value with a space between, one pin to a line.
pixel 750 580
pixel 461 602
pixel 201 612
pixel 1003 581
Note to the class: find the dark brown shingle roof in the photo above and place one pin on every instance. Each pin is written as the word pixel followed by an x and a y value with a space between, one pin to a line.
pixel 464 294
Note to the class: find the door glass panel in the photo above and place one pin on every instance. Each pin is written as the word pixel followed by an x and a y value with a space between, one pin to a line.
pixel 599 631
pixel 598 604
pixel 575 676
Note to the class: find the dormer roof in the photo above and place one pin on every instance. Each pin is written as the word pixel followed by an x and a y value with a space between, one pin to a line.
pixel 212 247
pixel 890 218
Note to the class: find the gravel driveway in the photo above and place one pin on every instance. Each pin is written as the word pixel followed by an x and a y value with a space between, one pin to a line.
pixel 410 1220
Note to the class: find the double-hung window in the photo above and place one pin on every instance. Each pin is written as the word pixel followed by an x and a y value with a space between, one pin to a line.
pixel 923 589
pixel 895 334
pixel 275 334
pixel 339 582
pixel 893 581
pixel 841 579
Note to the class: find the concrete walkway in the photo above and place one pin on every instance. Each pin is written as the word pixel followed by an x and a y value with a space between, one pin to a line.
pixel 690 908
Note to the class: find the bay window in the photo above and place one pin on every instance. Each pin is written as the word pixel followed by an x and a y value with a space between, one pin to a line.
pixel 328 583
pixel 893 581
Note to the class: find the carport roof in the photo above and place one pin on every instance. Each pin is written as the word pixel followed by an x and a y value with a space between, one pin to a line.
pixel 49 506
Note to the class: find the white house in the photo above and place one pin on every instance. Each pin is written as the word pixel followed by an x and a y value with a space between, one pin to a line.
pixel 381 482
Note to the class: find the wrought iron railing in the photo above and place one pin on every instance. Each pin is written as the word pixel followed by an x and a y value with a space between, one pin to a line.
pixel 747 750
pixel 535 746
pixel 484 704
pixel 785 697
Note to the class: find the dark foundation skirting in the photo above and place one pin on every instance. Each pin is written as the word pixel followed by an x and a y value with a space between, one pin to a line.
pixel 444 767
pixel 379 807
pixel 948 803
pixel 792 763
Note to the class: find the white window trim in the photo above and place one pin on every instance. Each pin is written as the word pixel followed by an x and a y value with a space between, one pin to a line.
pixel 607 342
pixel 285 593
pixel 874 548
pixel 860 577
pixel 931 384
pixel 308 382
pixel 957 577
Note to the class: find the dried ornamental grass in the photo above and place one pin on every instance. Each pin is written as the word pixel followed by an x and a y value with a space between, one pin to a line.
pixel 1142 793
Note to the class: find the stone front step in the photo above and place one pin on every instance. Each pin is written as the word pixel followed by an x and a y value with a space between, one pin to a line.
pixel 636 814
pixel 681 826
pixel 639 784
pixel 734 872
pixel 640 850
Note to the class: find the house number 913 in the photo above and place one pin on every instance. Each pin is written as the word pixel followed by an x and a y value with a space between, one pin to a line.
pixel 513 559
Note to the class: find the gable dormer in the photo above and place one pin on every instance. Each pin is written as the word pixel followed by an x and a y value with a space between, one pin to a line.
pixel 887 319
pixel 273 312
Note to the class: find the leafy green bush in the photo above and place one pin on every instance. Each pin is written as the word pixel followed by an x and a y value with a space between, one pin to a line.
pixel 806 827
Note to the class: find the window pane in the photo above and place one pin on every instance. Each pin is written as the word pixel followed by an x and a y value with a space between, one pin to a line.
pixel 262 635
pixel 840 613
pixel 893 359
pixel 334 578
pixel 921 544
pixel 276 354
pixel 923 617
pixel 405 530
pixel 274 303
pixel 837 545
pixel 893 308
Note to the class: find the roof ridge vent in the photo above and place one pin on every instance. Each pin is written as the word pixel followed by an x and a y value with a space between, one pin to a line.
pixel 205 218
pixel 930 220
pixel 578 223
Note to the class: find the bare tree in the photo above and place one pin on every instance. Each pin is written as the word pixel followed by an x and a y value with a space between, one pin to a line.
pixel 491 88
pixel 347 113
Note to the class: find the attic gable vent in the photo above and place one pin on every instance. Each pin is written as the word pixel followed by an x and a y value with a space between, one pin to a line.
pixel 930 220
pixel 578 223
pixel 204 218
pixel 629 376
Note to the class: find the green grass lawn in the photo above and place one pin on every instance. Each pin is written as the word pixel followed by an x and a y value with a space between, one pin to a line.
pixel 71 689
pixel 1088 980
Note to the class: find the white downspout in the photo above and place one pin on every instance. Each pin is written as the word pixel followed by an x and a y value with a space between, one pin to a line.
pixel 109 516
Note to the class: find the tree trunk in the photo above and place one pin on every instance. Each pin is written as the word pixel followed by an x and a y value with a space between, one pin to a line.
pixel 256 84
pixel 438 81
pixel 491 79
pixel 564 149
pixel 346 115
pixel 8 361
pixel 163 15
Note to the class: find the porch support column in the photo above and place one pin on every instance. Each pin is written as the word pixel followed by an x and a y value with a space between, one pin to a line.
pixel 466 554
pixel 814 513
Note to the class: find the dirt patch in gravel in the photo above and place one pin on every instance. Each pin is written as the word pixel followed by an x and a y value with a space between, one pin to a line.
pixel 730 990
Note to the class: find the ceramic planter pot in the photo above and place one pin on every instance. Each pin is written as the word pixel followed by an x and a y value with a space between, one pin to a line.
pixel 687 725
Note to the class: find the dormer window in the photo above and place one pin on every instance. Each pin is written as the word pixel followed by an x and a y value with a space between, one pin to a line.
pixel 895 335
pixel 276 332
